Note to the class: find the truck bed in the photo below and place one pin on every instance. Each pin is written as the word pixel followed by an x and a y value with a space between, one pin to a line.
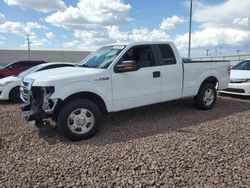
pixel 195 71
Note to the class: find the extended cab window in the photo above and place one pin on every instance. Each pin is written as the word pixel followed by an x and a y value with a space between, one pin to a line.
pixel 167 54
pixel 142 55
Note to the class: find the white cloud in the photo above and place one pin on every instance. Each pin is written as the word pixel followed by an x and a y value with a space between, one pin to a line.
pixel 222 24
pixel 39 5
pixel 211 37
pixel 13 27
pixel 36 42
pixel 19 28
pixel 2 18
pixel 170 23
pixel 111 34
pixel 241 21
pixel 93 38
pixel 34 25
pixel 221 14
pixel 72 44
pixel 50 35
pixel 89 12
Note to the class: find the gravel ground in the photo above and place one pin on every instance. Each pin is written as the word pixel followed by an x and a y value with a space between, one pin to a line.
pixel 166 145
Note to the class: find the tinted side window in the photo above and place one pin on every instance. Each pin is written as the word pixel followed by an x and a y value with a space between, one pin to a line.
pixel 16 65
pixel 25 64
pixel 248 67
pixel 168 57
pixel 241 66
pixel 142 55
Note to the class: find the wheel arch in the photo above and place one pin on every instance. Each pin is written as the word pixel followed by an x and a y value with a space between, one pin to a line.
pixel 95 98
pixel 12 89
pixel 212 80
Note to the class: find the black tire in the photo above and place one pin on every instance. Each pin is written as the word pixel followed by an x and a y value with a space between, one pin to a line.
pixel 69 108
pixel 14 95
pixel 199 99
pixel 1 76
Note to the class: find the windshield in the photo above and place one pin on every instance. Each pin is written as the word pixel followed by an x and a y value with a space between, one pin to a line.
pixel 7 66
pixel 244 65
pixel 29 71
pixel 102 58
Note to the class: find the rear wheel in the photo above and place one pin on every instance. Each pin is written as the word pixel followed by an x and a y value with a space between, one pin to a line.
pixel 14 95
pixel 79 119
pixel 206 97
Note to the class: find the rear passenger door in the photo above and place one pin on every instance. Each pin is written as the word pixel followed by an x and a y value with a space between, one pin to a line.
pixel 171 73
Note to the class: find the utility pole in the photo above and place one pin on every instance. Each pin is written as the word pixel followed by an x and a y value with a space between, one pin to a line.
pixel 190 28
pixel 28 44
pixel 207 50
pixel 61 46
pixel 220 50
pixel 238 51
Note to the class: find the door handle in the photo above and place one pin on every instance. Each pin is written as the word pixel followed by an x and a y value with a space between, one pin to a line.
pixel 156 74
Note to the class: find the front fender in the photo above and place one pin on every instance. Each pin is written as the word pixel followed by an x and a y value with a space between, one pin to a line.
pixel 104 91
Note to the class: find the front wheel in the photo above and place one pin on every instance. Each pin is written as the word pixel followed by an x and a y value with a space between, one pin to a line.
pixel 206 97
pixel 79 119
pixel 14 95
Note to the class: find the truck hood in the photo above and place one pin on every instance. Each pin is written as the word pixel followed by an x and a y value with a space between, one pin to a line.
pixel 67 74
pixel 240 74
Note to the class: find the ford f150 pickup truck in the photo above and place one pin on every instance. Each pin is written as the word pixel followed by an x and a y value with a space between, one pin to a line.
pixel 118 77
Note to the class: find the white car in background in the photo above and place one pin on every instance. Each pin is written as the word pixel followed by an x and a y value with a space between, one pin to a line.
pixel 9 86
pixel 240 79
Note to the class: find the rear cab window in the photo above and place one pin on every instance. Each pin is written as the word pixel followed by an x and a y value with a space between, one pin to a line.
pixel 167 54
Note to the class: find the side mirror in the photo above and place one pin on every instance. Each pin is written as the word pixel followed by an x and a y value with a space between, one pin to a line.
pixel 126 66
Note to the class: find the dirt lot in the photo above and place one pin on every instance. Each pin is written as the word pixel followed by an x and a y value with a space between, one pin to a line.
pixel 169 145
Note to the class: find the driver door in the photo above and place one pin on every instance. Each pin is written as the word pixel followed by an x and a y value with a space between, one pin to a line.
pixel 141 86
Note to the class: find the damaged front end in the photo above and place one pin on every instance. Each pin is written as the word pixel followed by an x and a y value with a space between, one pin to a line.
pixel 38 104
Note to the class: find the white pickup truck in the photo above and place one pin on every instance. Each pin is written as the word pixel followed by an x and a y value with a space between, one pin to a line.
pixel 119 77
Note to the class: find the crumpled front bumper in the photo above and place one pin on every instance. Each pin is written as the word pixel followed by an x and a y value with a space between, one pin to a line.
pixel 33 115
pixel 39 105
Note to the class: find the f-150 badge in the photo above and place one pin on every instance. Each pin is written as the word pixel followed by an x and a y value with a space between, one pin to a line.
pixel 102 79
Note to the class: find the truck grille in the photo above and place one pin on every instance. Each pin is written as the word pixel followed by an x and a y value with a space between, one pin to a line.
pixel 25 91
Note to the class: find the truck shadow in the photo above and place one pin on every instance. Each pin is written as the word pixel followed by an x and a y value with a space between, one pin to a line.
pixel 154 119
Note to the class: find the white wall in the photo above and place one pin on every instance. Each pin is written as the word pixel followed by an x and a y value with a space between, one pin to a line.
pixel 11 55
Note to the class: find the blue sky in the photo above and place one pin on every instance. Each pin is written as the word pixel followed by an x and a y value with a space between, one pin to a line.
pixel 88 24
